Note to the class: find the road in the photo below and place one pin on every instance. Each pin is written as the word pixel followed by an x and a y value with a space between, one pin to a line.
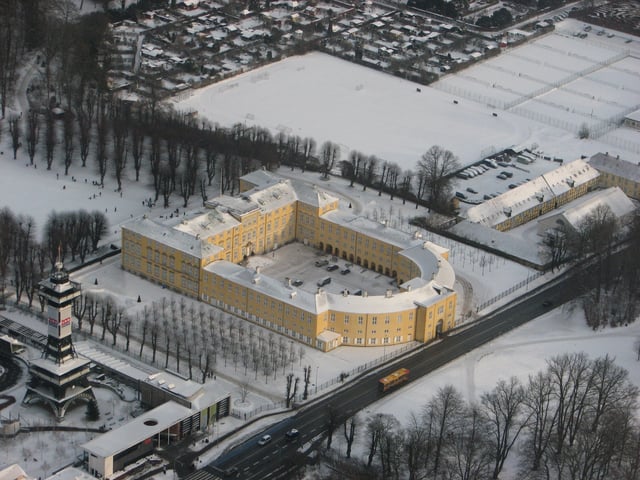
pixel 280 458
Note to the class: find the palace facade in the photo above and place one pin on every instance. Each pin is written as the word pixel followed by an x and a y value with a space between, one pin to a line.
pixel 199 255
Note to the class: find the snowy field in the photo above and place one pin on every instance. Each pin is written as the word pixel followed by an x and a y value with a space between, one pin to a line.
pixel 325 98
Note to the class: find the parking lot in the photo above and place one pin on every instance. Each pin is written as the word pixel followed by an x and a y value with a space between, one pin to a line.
pixel 297 262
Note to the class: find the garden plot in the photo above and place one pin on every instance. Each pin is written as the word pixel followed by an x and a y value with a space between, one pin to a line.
pixel 567 119
pixel 506 79
pixel 523 64
pixel 571 63
pixel 630 65
pixel 477 90
pixel 594 89
pixel 582 104
pixel 576 48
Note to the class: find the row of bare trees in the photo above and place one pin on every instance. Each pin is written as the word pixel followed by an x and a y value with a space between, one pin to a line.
pixel 24 261
pixel 173 332
pixel 574 420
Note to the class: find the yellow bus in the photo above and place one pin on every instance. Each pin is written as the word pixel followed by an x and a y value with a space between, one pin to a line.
pixel 393 379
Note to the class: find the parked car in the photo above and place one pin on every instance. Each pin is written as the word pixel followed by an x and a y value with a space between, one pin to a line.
pixel 345 271
pixel 471 190
pixel 297 282
pixel 291 434
pixel 264 440
pixel 324 281
pixel 332 268
pixel 461 195
pixel 322 263
pixel 507 174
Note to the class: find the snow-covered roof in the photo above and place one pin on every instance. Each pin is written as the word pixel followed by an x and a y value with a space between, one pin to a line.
pixel 635 115
pixel 268 184
pixel 371 228
pixel 615 166
pixel 614 198
pixel 139 429
pixel 175 238
pixel 534 192
pixel 59 369
pixel 71 473
pixel 207 224
pixel 14 472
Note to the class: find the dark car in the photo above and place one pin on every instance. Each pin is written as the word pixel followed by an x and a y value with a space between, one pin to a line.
pixel 547 303
pixel 291 434
pixel 297 282
pixel 229 472
pixel 333 267
pixel 471 190
pixel 345 271
pixel 461 195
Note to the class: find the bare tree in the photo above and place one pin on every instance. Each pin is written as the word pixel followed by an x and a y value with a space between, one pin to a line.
pixel 468 455
pixel 329 155
pixel 243 391
pixel 292 389
pixel 102 130
pixel 356 159
pixel 376 426
pixel 437 166
pixel 68 136
pixel 539 407
pixel 119 131
pixel 350 432
pixel 503 409
pixel 331 423
pixel 50 138
pixel 33 133
pixel 418 447
pixel 442 413
pixel 145 324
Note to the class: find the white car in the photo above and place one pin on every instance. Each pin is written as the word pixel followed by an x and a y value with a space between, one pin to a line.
pixel 264 440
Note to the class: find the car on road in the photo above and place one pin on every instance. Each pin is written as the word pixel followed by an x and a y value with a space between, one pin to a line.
pixel 291 434
pixel 333 267
pixel 322 263
pixel 471 190
pixel 547 303
pixel 229 472
pixel 324 281
pixel 345 271
pixel 264 440
pixel 297 282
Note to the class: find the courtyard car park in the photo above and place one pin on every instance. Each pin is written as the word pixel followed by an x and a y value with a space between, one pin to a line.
pixel 306 267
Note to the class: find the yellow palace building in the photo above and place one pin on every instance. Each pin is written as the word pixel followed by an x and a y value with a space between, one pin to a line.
pixel 199 255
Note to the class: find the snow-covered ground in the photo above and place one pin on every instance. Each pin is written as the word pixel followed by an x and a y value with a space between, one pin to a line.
pixel 325 98
pixel 328 99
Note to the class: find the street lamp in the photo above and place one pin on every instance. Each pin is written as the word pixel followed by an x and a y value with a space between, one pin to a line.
pixel 317 368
